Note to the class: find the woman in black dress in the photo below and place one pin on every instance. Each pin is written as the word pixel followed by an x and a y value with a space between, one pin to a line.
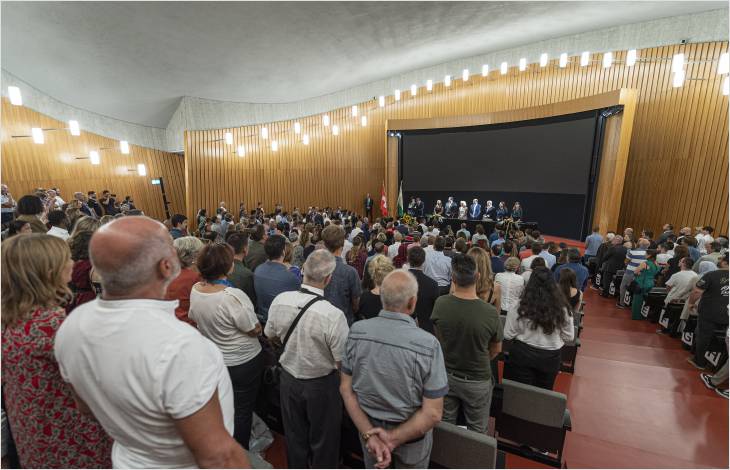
pixel 370 303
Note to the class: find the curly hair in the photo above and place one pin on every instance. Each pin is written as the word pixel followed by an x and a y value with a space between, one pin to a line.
pixel 542 303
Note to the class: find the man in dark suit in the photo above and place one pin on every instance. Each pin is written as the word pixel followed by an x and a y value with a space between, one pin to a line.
pixel 420 208
pixel 369 206
pixel 94 204
pixel 428 289
pixel 451 208
pixel 490 211
pixel 475 210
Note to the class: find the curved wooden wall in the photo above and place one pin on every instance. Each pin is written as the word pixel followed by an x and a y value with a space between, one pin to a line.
pixel 677 169
pixel 26 166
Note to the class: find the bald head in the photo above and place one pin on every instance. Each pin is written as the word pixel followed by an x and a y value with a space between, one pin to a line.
pixel 134 257
pixel 399 291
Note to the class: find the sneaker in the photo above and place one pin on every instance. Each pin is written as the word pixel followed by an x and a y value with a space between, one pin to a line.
pixel 694 364
pixel 706 379
pixel 722 393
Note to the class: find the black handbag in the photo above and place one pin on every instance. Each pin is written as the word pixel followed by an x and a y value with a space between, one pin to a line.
pixel 272 374
pixel 634 287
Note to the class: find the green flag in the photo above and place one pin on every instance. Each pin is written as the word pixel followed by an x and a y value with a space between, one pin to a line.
pixel 400 200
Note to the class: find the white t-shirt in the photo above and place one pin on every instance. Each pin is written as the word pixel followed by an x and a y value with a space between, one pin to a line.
pixel 59 232
pixel 393 250
pixel 682 283
pixel 346 249
pixel 511 286
pixel 663 258
pixel 525 264
pixel 521 329
pixel 139 369
pixel 224 317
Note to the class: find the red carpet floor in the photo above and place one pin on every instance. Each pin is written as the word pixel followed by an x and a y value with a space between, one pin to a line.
pixel 634 400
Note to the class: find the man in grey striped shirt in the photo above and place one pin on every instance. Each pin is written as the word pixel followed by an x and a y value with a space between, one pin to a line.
pixel 633 259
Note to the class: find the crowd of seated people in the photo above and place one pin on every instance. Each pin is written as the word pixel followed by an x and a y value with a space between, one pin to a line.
pixel 693 269
pixel 193 315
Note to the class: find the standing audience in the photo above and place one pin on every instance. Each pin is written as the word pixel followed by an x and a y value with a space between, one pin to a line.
pixel 511 284
pixel 187 249
pixel 272 278
pixel 343 289
pixel 370 303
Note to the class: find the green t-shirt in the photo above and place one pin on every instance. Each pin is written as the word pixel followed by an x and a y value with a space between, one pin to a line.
pixel 466 328
pixel 242 278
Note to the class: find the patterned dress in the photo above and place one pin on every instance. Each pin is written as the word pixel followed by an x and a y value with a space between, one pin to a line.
pixel 49 431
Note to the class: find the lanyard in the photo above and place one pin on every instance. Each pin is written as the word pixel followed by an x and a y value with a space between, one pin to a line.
pixel 224 282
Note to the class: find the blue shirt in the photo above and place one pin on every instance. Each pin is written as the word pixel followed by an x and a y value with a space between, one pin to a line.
pixel 593 241
pixel 343 287
pixel 497 265
pixel 269 280
pixel 550 259
pixel 581 274
pixel 498 241
pixel 176 233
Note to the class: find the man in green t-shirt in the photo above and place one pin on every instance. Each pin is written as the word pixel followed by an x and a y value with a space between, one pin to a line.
pixel 471 336
pixel 241 277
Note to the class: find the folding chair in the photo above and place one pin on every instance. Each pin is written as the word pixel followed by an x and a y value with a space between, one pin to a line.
pixel 716 353
pixel 669 318
pixel 653 303
pixel 456 447
pixel 532 422
pixel 688 333
pixel 613 287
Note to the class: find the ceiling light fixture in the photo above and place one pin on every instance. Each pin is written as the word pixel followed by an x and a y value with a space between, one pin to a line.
pixel 124 147
pixel 543 59
pixel 677 62
pixel 364 121
pixel 15 98
pixel 397 95
pixel 563 60
pixel 73 127
pixel 37 134
pixel 523 64
pixel 354 111
pixel 447 80
pixel 94 157
pixel 465 75
pixel 726 86
pixel 305 139
pixel 607 59
pixel 326 120
pixel 381 101
pixel 297 128
pixel 241 151
pixel 229 138
pixel 274 146
pixel 724 65
pixel 335 130
pixel 485 70
pixel 141 169
pixel 631 58
pixel 503 68
pixel 264 134
pixel 414 90
pixel 585 57
pixel 429 85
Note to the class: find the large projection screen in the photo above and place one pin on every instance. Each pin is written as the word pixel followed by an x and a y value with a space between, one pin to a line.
pixel 545 164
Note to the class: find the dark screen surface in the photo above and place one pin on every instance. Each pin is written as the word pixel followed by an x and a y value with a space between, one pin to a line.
pixel 545 164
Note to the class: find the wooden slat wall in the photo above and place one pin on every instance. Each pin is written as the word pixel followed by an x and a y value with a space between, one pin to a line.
pixel 678 162
pixel 26 166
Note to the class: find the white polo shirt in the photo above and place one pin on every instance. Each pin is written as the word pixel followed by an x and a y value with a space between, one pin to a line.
pixel 139 368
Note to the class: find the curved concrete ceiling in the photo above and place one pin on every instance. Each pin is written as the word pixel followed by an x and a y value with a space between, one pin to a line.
pixel 134 61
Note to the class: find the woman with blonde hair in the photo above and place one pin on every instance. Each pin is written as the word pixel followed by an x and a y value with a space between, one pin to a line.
pixel 510 283
pixel 370 304
pixel 48 428
pixel 85 224
pixel 179 289
pixel 288 257
pixel 487 290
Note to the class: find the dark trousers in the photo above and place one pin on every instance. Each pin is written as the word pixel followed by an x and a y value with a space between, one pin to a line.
pixel 703 336
pixel 245 379
pixel 312 413
pixel 533 366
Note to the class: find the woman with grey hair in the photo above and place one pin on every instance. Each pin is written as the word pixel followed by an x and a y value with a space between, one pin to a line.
pixel 510 283
pixel 187 252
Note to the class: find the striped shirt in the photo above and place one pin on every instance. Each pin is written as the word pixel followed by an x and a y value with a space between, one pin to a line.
pixel 635 258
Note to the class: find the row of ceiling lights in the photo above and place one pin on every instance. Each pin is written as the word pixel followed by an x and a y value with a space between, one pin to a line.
pixel 677 68
pixel 38 134
pixel 678 65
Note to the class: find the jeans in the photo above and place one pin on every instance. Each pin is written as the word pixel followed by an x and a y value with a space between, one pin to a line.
pixel 532 366
pixel 245 379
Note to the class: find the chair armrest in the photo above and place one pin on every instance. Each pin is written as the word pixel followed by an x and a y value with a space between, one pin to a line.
pixel 567 424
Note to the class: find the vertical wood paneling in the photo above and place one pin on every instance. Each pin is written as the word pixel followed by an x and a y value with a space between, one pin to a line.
pixel 676 171
pixel 26 166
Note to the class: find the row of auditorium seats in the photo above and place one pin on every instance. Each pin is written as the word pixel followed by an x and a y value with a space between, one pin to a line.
pixel 668 319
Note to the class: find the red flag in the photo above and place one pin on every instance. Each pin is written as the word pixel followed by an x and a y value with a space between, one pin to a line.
pixel 383 202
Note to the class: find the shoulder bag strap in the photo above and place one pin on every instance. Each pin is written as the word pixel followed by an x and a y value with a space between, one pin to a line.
pixel 316 298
